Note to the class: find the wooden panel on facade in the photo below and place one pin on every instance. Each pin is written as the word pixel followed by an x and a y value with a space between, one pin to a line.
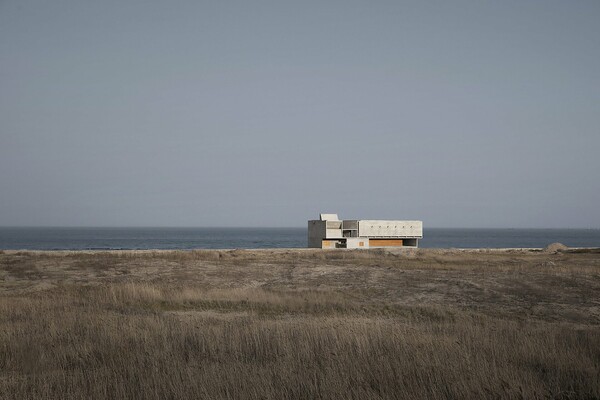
pixel 385 243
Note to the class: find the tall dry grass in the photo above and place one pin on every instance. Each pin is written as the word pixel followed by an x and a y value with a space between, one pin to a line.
pixel 158 341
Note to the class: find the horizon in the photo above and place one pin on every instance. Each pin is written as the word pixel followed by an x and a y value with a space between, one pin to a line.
pixel 425 227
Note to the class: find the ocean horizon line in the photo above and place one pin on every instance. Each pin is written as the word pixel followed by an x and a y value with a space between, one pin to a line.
pixel 265 227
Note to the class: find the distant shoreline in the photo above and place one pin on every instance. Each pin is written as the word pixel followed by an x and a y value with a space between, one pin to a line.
pixel 424 250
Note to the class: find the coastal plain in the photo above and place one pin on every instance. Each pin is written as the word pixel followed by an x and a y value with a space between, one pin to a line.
pixel 300 323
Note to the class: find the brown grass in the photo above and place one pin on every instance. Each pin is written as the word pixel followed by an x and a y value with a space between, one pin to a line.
pixel 299 324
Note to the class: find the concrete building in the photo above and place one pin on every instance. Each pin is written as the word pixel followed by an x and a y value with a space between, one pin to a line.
pixel 330 232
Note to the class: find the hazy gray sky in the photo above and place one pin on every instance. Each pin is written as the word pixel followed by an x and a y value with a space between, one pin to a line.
pixel 264 113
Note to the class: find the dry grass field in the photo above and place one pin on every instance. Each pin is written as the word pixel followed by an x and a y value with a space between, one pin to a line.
pixel 301 324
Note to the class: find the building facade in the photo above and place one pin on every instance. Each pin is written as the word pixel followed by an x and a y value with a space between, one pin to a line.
pixel 329 232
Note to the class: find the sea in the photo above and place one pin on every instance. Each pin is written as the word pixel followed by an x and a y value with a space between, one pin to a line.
pixel 257 238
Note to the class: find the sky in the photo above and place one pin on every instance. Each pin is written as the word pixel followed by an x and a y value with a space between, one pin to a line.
pixel 266 113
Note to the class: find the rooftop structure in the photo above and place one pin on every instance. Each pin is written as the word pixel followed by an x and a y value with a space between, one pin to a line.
pixel 330 232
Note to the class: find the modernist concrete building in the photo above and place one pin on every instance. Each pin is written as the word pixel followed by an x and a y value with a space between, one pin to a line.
pixel 330 232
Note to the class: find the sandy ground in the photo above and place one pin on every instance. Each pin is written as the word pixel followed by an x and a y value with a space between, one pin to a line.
pixel 526 283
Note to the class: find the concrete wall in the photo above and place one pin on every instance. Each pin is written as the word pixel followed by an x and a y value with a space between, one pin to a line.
pixel 383 229
pixel 357 243
pixel 319 230
pixel 316 233
pixel 330 234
